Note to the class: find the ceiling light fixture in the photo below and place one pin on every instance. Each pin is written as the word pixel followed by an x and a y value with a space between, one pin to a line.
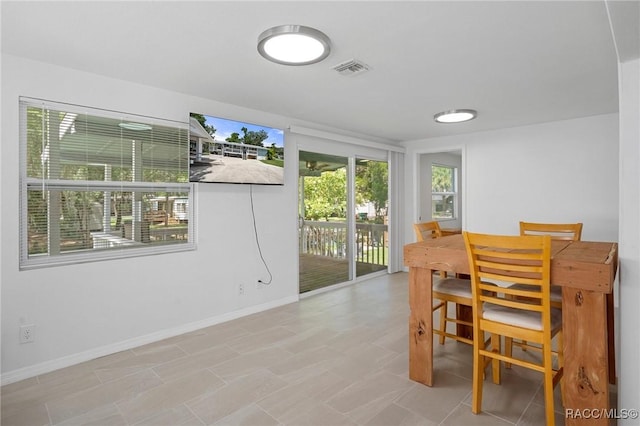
pixel 455 116
pixel 294 45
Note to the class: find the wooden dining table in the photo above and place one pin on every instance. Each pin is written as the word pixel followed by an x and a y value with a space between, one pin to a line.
pixel 586 271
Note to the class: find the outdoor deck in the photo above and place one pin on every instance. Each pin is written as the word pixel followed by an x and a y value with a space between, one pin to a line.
pixel 322 271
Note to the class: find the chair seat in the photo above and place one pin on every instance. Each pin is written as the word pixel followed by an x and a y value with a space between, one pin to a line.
pixel 555 293
pixel 519 317
pixel 457 290
pixel 453 286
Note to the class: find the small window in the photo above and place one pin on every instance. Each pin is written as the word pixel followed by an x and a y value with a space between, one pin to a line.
pixel 98 185
pixel 443 192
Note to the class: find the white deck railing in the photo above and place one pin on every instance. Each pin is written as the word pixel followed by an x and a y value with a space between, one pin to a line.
pixel 330 239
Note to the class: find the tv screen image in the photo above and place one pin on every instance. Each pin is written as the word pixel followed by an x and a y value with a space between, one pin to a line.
pixel 228 151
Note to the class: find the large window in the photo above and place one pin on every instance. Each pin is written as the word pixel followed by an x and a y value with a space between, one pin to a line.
pixel 98 184
pixel 443 192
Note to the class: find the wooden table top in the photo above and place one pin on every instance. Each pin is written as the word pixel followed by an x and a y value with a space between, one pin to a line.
pixel 588 265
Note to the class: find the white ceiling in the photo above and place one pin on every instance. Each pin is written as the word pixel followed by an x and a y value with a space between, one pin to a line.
pixel 517 62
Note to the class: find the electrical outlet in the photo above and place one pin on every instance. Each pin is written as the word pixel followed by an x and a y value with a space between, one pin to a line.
pixel 26 333
pixel 241 289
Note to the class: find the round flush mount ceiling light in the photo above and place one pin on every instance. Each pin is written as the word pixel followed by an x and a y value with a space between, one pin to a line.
pixel 455 116
pixel 294 45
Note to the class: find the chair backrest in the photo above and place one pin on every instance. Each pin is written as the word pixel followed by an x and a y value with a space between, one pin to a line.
pixel 558 231
pixel 427 230
pixel 515 259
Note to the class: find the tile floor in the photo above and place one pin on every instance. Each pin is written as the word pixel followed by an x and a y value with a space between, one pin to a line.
pixel 335 358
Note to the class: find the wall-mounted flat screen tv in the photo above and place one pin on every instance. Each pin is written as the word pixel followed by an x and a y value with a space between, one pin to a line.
pixel 227 151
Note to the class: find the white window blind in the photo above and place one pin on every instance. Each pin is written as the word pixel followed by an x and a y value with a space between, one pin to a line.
pixel 99 184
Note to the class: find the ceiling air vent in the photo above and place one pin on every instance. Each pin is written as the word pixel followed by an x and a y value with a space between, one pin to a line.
pixel 351 67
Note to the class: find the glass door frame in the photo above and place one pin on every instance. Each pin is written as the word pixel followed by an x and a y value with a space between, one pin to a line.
pixel 352 154
pixel 323 245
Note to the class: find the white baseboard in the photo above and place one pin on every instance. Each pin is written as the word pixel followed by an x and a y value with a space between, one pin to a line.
pixel 69 360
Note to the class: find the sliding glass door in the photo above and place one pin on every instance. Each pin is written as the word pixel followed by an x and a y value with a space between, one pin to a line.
pixel 342 211
pixel 372 232
pixel 322 215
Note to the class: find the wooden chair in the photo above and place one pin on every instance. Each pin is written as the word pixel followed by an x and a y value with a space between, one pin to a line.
pixel 571 232
pixel 557 231
pixel 524 259
pixel 455 290
pixel 427 230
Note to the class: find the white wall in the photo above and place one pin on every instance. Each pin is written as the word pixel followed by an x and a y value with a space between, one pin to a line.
pixel 92 309
pixel 84 311
pixel 551 172
pixel 629 239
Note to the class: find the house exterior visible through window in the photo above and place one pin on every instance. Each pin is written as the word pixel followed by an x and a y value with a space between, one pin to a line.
pixel 99 184
pixel 444 192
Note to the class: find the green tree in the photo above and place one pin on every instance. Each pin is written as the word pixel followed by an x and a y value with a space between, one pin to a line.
pixel 441 179
pixel 325 196
pixel 253 138
pixel 249 137
pixel 235 137
pixel 203 122
pixel 372 186
pixel 272 153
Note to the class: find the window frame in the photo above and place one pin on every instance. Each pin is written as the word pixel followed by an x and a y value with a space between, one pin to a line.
pixel 47 185
pixel 454 193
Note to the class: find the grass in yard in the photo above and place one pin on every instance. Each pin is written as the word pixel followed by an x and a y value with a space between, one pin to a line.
pixel 279 163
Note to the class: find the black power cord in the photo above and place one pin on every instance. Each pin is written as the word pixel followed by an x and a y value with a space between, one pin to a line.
pixel 255 232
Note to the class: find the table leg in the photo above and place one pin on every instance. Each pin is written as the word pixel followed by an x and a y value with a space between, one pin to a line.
pixel 611 339
pixel 464 313
pixel 586 381
pixel 420 326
